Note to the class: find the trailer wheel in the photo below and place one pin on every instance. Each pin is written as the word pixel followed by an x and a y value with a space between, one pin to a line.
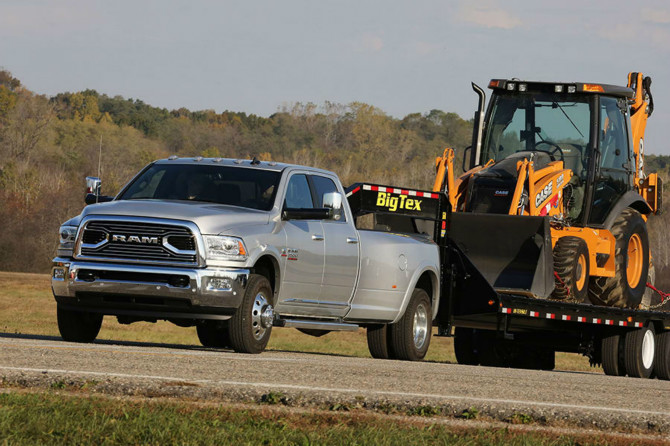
pixel 251 325
pixel 213 334
pixel 612 356
pixel 410 336
pixel 628 285
pixel 465 346
pixel 662 363
pixel 571 263
pixel 379 341
pixel 78 326
pixel 639 352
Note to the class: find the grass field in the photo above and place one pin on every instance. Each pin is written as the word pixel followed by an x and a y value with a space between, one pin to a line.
pixel 60 418
pixel 27 307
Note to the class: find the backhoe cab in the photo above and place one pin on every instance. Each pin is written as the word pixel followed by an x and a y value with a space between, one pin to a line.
pixel 572 152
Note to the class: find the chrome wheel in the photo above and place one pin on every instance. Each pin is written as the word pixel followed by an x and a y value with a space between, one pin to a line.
pixel 648 349
pixel 262 315
pixel 420 327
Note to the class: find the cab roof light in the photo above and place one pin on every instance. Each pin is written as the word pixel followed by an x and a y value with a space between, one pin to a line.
pixel 511 86
pixel 595 88
pixel 494 84
pixel 523 87
pixel 572 89
pixel 558 88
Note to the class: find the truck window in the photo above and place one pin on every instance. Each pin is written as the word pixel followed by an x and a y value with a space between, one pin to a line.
pixel 323 185
pixel 298 194
pixel 235 186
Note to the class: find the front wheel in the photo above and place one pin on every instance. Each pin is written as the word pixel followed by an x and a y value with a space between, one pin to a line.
pixel 78 326
pixel 251 325
pixel 410 336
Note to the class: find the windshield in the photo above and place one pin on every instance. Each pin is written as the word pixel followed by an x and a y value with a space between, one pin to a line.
pixel 550 123
pixel 236 186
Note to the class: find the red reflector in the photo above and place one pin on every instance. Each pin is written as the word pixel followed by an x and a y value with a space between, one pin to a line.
pixel 444 225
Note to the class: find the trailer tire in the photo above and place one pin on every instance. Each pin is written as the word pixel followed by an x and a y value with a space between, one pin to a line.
pixel 662 362
pixel 612 356
pixel 571 263
pixel 379 341
pixel 78 326
pixel 213 334
pixel 248 328
pixel 628 285
pixel 465 346
pixel 639 352
pixel 410 336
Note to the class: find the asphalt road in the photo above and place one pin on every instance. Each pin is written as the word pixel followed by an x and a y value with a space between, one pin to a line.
pixel 562 398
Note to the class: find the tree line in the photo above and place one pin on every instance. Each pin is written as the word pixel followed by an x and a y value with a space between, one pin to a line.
pixel 49 144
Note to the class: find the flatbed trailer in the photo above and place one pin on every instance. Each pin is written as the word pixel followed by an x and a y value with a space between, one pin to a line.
pixel 488 289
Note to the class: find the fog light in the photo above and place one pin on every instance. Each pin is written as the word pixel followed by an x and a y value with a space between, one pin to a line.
pixel 219 284
pixel 59 273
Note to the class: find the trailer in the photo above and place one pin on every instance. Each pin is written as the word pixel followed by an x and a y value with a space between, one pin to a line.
pixel 491 288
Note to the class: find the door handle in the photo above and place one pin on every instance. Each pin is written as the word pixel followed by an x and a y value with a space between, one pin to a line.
pixel 352 240
pixel 317 237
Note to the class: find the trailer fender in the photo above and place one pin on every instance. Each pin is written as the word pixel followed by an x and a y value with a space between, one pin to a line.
pixel 433 273
pixel 630 199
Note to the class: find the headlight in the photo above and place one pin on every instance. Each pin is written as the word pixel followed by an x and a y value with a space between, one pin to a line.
pixel 225 248
pixel 67 236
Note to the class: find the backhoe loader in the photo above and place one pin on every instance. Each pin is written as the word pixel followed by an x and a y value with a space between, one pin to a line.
pixel 555 176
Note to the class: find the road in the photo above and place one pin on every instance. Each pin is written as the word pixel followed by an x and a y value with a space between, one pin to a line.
pixel 565 398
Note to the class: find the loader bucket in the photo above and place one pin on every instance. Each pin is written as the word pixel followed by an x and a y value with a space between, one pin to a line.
pixel 513 253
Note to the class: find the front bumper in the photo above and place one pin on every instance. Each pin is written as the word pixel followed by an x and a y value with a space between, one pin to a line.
pixel 148 291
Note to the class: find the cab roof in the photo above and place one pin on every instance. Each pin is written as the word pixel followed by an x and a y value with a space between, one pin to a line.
pixel 516 85
pixel 265 165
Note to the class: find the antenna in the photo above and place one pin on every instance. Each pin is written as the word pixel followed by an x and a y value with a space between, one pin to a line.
pixel 100 156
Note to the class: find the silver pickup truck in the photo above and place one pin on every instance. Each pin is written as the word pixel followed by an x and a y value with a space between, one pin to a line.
pixel 234 247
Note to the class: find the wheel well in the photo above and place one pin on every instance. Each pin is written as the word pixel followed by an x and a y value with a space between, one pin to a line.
pixel 426 283
pixel 268 267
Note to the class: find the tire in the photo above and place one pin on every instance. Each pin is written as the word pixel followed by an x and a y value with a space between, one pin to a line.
pixel 662 362
pixel 213 334
pixel 410 336
pixel 639 352
pixel 612 356
pixel 249 328
pixel 628 285
pixel 78 326
pixel 379 341
pixel 571 263
pixel 464 346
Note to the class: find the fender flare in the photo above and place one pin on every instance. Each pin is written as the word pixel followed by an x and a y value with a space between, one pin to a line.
pixel 630 199
pixel 435 298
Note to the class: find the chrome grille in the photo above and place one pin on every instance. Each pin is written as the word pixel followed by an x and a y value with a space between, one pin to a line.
pixel 141 242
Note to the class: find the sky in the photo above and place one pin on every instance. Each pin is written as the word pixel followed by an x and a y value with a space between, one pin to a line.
pixel 403 57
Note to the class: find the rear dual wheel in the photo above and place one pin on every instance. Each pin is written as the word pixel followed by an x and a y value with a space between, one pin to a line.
pixel 633 354
pixel 409 338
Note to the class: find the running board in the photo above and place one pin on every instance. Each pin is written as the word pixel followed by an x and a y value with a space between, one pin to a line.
pixel 315 325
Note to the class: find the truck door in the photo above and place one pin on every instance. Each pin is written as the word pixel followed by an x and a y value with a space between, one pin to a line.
pixel 341 253
pixel 303 255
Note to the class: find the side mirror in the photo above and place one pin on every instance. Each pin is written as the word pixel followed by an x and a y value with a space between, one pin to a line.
pixel 465 157
pixel 93 185
pixel 333 202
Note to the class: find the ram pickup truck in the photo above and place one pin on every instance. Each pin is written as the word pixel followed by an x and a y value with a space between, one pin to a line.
pixel 235 247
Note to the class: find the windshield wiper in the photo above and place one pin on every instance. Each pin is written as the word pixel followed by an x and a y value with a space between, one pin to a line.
pixel 566 115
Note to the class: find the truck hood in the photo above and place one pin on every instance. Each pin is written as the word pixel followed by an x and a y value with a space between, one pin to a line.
pixel 210 218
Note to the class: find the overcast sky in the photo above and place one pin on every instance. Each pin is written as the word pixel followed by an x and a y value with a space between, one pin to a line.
pixel 402 57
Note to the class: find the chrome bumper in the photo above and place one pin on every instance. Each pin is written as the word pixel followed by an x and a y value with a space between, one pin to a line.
pixel 86 284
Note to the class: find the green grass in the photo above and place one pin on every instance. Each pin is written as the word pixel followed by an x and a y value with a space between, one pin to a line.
pixel 56 418
pixel 27 307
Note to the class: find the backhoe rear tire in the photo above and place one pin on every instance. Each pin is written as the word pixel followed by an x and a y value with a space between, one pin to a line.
pixel 571 263
pixel 628 285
